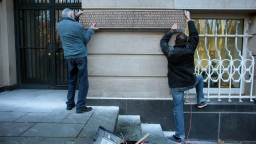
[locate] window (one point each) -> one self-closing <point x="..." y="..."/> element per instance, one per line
<point x="222" y="57"/>
<point x="212" y="47"/>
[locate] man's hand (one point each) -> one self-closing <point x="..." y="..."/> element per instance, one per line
<point x="93" y="27"/>
<point x="79" y="13"/>
<point x="174" y="27"/>
<point x="187" y="14"/>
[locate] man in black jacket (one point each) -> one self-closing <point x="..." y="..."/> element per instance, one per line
<point x="181" y="70"/>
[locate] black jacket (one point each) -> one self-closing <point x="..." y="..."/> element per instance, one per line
<point x="181" y="66"/>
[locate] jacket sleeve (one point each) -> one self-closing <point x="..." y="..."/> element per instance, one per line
<point x="193" y="36"/>
<point x="164" y="43"/>
<point x="86" y="35"/>
<point x="77" y="18"/>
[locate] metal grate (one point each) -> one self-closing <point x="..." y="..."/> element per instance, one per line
<point x="40" y="57"/>
<point x="34" y="28"/>
<point x="67" y="1"/>
<point x="33" y="1"/>
<point x="48" y="1"/>
<point x="61" y="63"/>
<point x="35" y="67"/>
<point x="222" y="57"/>
<point x="34" y="34"/>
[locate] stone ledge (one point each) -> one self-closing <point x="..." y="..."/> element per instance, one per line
<point x="170" y="4"/>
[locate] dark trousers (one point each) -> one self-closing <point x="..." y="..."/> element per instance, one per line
<point x="75" y="66"/>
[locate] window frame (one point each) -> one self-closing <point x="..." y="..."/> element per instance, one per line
<point x="226" y="91"/>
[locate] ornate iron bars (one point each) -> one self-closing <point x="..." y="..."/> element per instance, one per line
<point x="230" y="64"/>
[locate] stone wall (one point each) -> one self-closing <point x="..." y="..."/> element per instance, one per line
<point x="127" y="65"/>
<point x="1" y="59"/>
<point x="8" y="72"/>
<point x="170" y="4"/>
<point x="130" y="64"/>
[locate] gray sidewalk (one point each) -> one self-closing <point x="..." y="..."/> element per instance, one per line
<point x="32" y="116"/>
<point x="40" y="116"/>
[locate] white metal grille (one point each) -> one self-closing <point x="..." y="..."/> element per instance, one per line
<point x="242" y="72"/>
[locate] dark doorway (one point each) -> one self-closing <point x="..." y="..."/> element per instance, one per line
<point x="40" y="58"/>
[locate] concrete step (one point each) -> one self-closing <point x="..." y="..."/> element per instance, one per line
<point x="103" y="116"/>
<point x="130" y="127"/>
<point x="156" y="134"/>
<point x="170" y="133"/>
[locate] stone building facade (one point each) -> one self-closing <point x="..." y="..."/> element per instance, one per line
<point x="127" y="67"/>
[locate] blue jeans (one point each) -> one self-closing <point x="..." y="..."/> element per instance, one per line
<point x="178" y="99"/>
<point x="75" y="66"/>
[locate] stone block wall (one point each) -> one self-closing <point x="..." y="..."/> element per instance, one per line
<point x="1" y="60"/>
<point x="8" y="69"/>
<point x="130" y="64"/>
<point x="127" y="65"/>
<point x="170" y="4"/>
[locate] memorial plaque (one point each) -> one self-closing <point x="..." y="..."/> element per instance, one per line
<point x="112" y="19"/>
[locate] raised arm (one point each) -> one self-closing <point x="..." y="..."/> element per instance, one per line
<point x="78" y="15"/>
<point x="193" y="34"/>
<point x="164" y="42"/>
<point x="87" y="34"/>
<point x="165" y="39"/>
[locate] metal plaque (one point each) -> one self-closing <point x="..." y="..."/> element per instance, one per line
<point x="133" y="18"/>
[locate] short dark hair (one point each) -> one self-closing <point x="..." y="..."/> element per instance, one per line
<point x="181" y="39"/>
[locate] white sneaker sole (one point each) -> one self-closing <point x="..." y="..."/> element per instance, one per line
<point x="202" y="106"/>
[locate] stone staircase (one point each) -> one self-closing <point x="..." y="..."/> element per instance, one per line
<point x="132" y="129"/>
<point x="61" y="126"/>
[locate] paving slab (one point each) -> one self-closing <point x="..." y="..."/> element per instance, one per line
<point x="12" y="102"/>
<point x="130" y="127"/>
<point x="103" y="116"/>
<point x="10" y="116"/>
<point x="62" y="109"/>
<point x="9" y="94"/>
<point x="54" y="130"/>
<point x="45" y="98"/>
<point x="78" y="118"/>
<point x="43" y="117"/>
<point x="37" y="107"/>
<point x="8" y="108"/>
<point x="156" y="133"/>
<point x="38" y="140"/>
<point x="14" y="129"/>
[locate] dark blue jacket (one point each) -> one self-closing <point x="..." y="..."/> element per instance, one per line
<point x="180" y="58"/>
<point x="74" y="38"/>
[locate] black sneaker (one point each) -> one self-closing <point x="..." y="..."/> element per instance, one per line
<point x="174" y="139"/>
<point x="85" y="109"/>
<point x="70" y="107"/>
<point x="202" y="104"/>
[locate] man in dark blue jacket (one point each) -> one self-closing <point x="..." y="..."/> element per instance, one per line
<point x="74" y="39"/>
<point x="181" y="71"/>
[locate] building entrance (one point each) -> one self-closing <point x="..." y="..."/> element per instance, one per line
<point x="40" y="57"/>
